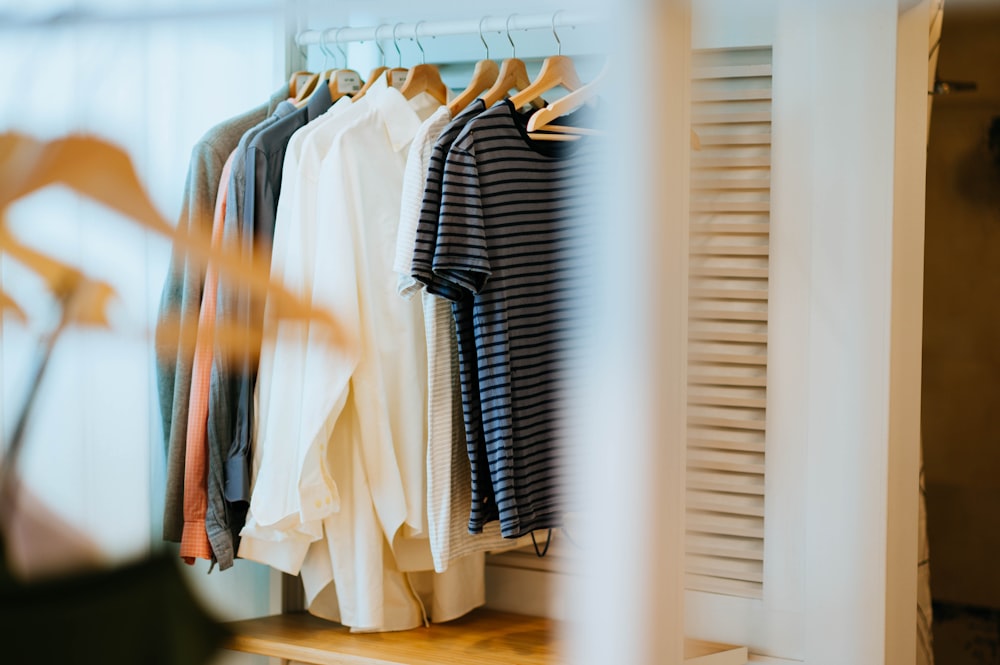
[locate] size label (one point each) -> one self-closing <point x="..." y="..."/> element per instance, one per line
<point x="397" y="79"/>
<point x="348" y="81"/>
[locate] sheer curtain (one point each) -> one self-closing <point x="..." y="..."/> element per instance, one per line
<point x="95" y="451"/>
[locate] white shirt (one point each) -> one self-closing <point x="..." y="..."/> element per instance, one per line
<point x="347" y="415"/>
<point x="449" y="493"/>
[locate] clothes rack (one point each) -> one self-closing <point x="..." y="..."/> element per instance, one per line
<point x="549" y="21"/>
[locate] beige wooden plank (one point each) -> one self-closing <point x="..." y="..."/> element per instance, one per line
<point x="730" y="206"/>
<point x="757" y="295"/>
<point x="724" y="587"/>
<point x="740" y="381"/>
<point x="728" y="315"/>
<point x="746" y="273"/>
<point x="731" y="95"/>
<point x="730" y="467"/>
<point x="731" y="118"/>
<point x="718" y="486"/>
<point x="706" y="162"/>
<point x="728" y="423"/>
<point x="729" y="250"/>
<point x="726" y="184"/>
<point x="713" y="653"/>
<point x="483" y="638"/>
<point x="734" y="337"/>
<point x="754" y="138"/>
<point x="729" y="358"/>
<point x="721" y="507"/>
<point x="712" y="228"/>
<point x="720" y="400"/>
<point x="709" y="571"/>
<point x="720" y="444"/>
<point x="700" y="524"/>
<point x="731" y="72"/>
<point x="729" y="552"/>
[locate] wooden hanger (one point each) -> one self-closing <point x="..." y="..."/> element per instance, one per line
<point x="343" y="81"/>
<point x="557" y="70"/>
<point x="372" y="78"/>
<point x="293" y="82"/>
<point x="105" y="174"/>
<point x="376" y="72"/>
<point x="566" y="105"/>
<point x="483" y="78"/>
<point x="397" y="75"/>
<point x="307" y="89"/>
<point x="513" y="75"/>
<point x="543" y="118"/>
<point x="91" y="298"/>
<point x="9" y="305"/>
<point x="423" y="77"/>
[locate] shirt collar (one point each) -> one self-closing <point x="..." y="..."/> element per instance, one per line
<point x="401" y="119"/>
<point x="278" y="96"/>
<point x="319" y="101"/>
<point x="284" y="108"/>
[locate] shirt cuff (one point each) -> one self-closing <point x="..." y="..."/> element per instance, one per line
<point x="280" y="550"/>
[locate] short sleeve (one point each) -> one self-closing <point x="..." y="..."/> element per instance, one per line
<point x="425" y="243"/>
<point x="461" y="258"/>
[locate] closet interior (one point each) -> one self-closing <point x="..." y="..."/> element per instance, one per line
<point x="401" y="227"/>
<point x="440" y="214"/>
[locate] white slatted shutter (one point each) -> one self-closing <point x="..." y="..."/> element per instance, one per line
<point x="727" y="393"/>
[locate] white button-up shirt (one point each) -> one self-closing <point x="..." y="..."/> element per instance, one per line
<point x="347" y="417"/>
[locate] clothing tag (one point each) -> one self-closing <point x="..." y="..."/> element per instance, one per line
<point x="301" y="81"/>
<point x="348" y="81"/>
<point x="398" y="79"/>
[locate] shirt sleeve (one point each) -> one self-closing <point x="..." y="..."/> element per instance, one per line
<point x="292" y="491"/>
<point x="414" y="186"/>
<point x="460" y="257"/>
<point x="426" y="239"/>
<point x="181" y="301"/>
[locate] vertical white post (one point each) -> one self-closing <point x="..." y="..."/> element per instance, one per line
<point x="631" y="609"/>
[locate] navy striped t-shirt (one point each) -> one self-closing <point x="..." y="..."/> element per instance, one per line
<point x="504" y="253"/>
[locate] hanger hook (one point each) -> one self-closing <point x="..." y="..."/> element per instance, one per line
<point x="379" y="46"/>
<point x="556" y="34"/>
<point x="340" y="45"/>
<point x="395" y="42"/>
<point x="416" y="38"/>
<point x="327" y="55"/>
<point x="482" y="38"/>
<point x="513" y="49"/>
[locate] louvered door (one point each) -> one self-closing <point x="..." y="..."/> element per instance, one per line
<point x="727" y="393"/>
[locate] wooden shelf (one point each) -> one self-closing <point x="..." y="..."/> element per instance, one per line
<point x="481" y="638"/>
<point x="484" y="637"/>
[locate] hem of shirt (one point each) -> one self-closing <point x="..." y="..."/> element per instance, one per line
<point x="221" y="539"/>
<point x="287" y="555"/>
<point x="194" y="542"/>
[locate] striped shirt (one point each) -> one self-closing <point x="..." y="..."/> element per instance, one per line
<point x="503" y="252"/>
<point x="448" y="483"/>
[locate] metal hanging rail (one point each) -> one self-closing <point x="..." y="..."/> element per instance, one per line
<point x="562" y="19"/>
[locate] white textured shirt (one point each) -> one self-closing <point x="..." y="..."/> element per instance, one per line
<point x="349" y="417"/>
<point x="448" y="472"/>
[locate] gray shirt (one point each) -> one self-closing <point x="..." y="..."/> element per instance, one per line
<point x="181" y="299"/>
<point x="221" y="516"/>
